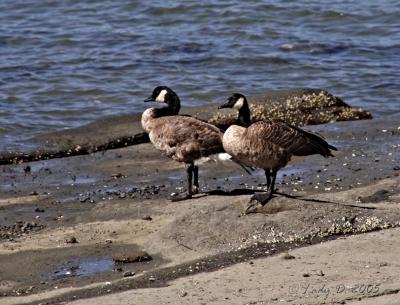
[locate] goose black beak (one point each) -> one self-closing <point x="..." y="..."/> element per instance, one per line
<point x="226" y="105"/>
<point x="149" y="99"/>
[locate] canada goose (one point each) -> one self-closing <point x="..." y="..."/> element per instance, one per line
<point x="268" y="144"/>
<point x="182" y="138"/>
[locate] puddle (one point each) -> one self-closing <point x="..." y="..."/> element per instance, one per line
<point x="176" y="177"/>
<point x="83" y="266"/>
<point x="81" y="180"/>
<point x="259" y="174"/>
<point x="290" y="170"/>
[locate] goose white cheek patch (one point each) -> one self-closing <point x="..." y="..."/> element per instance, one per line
<point x="239" y="104"/>
<point x="161" y="96"/>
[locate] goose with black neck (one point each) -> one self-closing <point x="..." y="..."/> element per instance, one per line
<point x="183" y="138"/>
<point x="268" y="144"/>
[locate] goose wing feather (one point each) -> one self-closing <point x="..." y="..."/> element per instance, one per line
<point x="293" y="139"/>
<point x="185" y="138"/>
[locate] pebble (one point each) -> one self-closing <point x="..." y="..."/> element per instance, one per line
<point x="117" y="176"/>
<point x="27" y="226"/>
<point x="18" y="228"/>
<point x="183" y="294"/>
<point x="86" y="198"/>
<point x="129" y="273"/>
<point x="71" y="240"/>
<point x="131" y="257"/>
<point x="287" y="256"/>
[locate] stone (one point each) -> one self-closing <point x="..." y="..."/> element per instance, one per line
<point x="131" y="257"/>
<point x="71" y="240"/>
<point x="287" y="256"/>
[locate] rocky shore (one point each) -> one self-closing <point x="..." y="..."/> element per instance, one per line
<point x="96" y="228"/>
<point x="297" y="106"/>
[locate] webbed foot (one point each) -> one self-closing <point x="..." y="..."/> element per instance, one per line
<point x="180" y="197"/>
<point x="262" y="198"/>
<point x="252" y="206"/>
<point x="256" y="202"/>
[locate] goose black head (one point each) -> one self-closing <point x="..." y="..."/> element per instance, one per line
<point x="160" y="94"/>
<point x="164" y="94"/>
<point x="239" y="102"/>
<point x="236" y="101"/>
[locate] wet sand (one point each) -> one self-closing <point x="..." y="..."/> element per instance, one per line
<point x="318" y="274"/>
<point x="114" y="201"/>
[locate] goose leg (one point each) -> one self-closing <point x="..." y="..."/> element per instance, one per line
<point x="196" y="179"/>
<point x="263" y="198"/>
<point x="268" y="176"/>
<point x="188" y="194"/>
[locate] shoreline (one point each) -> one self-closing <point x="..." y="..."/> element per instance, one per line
<point x="341" y="216"/>
<point x="300" y="106"/>
<point x="115" y="201"/>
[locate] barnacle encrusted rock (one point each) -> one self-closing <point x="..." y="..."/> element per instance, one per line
<point x="310" y="108"/>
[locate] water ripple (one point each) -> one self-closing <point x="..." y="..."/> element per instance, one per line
<point x="65" y="63"/>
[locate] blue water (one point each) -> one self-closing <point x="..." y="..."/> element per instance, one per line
<point x="83" y="266"/>
<point x="65" y="63"/>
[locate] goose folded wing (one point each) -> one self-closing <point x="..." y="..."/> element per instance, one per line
<point x="295" y="140"/>
<point x="186" y="131"/>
